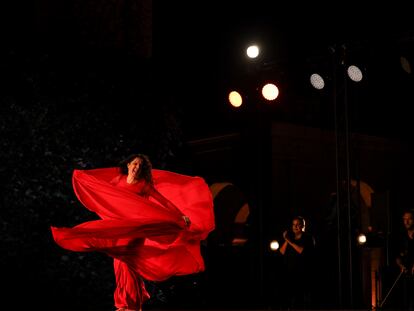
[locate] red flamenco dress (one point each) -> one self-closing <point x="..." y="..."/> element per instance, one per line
<point x="145" y="234"/>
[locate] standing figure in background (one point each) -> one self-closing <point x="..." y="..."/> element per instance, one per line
<point x="405" y="259"/>
<point x="149" y="236"/>
<point x="298" y="252"/>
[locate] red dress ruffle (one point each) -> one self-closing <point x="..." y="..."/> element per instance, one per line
<point x="150" y="239"/>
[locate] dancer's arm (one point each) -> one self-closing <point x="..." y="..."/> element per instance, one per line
<point x="168" y="205"/>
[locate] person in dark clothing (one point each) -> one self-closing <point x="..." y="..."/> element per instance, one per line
<point x="297" y="251"/>
<point x="405" y="260"/>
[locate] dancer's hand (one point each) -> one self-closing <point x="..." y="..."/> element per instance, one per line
<point x="187" y="221"/>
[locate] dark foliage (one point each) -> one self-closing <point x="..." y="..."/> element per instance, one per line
<point x="55" y="118"/>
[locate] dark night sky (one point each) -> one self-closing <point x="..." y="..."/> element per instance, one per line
<point x="198" y="50"/>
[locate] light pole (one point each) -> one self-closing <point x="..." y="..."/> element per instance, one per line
<point x="341" y="73"/>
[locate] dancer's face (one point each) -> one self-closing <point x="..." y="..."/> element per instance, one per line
<point x="133" y="167"/>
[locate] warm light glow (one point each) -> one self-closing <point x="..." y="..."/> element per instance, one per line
<point x="252" y="51"/>
<point x="376" y="284"/>
<point x="274" y="245"/>
<point x="235" y="99"/>
<point x="270" y="91"/>
<point x="362" y="238"/>
<point x="405" y="64"/>
<point x="354" y="73"/>
<point x="317" y="81"/>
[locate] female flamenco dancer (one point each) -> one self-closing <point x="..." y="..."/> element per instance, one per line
<point x="149" y="236"/>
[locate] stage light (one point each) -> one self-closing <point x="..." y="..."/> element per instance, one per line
<point x="371" y="239"/>
<point x="235" y="99"/>
<point x="317" y="81"/>
<point x="362" y="239"/>
<point x="274" y="245"/>
<point x="270" y="91"/>
<point x="354" y="73"/>
<point x="253" y="51"/>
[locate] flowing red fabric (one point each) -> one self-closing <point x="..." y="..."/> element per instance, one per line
<point x="152" y="240"/>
